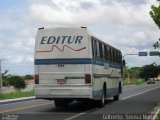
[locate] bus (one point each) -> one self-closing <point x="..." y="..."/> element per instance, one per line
<point x="71" y="64"/>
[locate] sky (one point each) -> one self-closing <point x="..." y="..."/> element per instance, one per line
<point x="124" y="24"/>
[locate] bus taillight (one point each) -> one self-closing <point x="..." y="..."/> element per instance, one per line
<point x="36" y="79"/>
<point x="87" y="78"/>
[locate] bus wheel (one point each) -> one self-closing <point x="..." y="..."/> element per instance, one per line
<point x="102" y="101"/>
<point x="61" y="103"/>
<point x="116" y="98"/>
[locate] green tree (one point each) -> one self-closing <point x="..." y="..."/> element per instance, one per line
<point x="155" y="14"/>
<point x="17" y="82"/>
<point x="132" y="73"/>
<point x="28" y="77"/>
<point x="150" y="71"/>
<point x="135" y="73"/>
<point x="5" y="77"/>
<point x="127" y="72"/>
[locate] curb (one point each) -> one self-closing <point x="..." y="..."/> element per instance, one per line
<point x="16" y="100"/>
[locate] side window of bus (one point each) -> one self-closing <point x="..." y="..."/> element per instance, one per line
<point x="93" y="48"/>
<point x="108" y="53"/>
<point x="97" y="50"/>
<point x="120" y="58"/>
<point x="100" y="50"/>
<point x="111" y="54"/>
<point x="117" y="56"/>
<point x="105" y="52"/>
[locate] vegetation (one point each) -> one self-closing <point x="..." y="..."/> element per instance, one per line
<point x="138" y="75"/>
<point x="150" y="71"/>
<point x="158" y="116"/>
<point x="28" y="77"/>
<point x="132" y="73"/>
<point x="12" y="95"/>
<point x="14" y="80"/>
<point x="133" y="82"/>
<point x="5" y="77"/>
<point x="155" y="14"/>
<point x="17" y="82"/>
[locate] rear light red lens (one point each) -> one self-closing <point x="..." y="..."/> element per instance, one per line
<point x="36" y="79"/>
<point x="87" y="78"/>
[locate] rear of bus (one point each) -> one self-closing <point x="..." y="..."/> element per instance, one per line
<point x="62" y="65"/>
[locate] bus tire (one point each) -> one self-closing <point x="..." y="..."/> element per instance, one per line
<point x="102" y="100"/>
<point x="61" y="103"/>
<point x="120" y="88"/>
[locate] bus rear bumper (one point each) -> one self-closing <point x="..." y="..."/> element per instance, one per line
<point x="52" y="92"/>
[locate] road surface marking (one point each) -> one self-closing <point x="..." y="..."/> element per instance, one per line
<point x="139" y="93"/>
<point x="77" y="115"/>
<point x="23" y="108"/>
<point x="80" y="114"/>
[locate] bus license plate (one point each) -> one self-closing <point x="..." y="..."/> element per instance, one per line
<point x="61" y="81"/>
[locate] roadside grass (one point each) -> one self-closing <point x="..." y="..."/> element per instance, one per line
<point x="4" y="96"/>
<point x="133" y="82"/>
<point x="158" y="116"/>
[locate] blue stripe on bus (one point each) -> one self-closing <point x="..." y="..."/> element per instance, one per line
<point x="60" y="61"/>
<point x="74" y="61"/>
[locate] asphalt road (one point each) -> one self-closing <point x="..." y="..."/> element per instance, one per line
<point x="136" y="102"/>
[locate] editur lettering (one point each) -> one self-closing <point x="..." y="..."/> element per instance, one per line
<point x="61" y="40"/>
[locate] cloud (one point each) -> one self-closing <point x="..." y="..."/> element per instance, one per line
<point x="69" y="12"/>
<point x="125" y="24"/>
<point x="19" y="59"/>
<point x="16" y="59"/>
<point x="130" y="21"/>
<point x="26" y="44"/>
<point x="16" y="40"/>
<point x="91" y="12"/>
<point x="1" y="45"/>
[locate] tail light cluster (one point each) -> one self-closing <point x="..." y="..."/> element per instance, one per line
<point x="87" y="78"/>
<point x="36" y="79"/>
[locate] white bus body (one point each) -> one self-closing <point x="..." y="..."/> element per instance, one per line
<point x="67" y="67"/>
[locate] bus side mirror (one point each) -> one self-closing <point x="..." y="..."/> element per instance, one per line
<point x="124" y="63"/>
